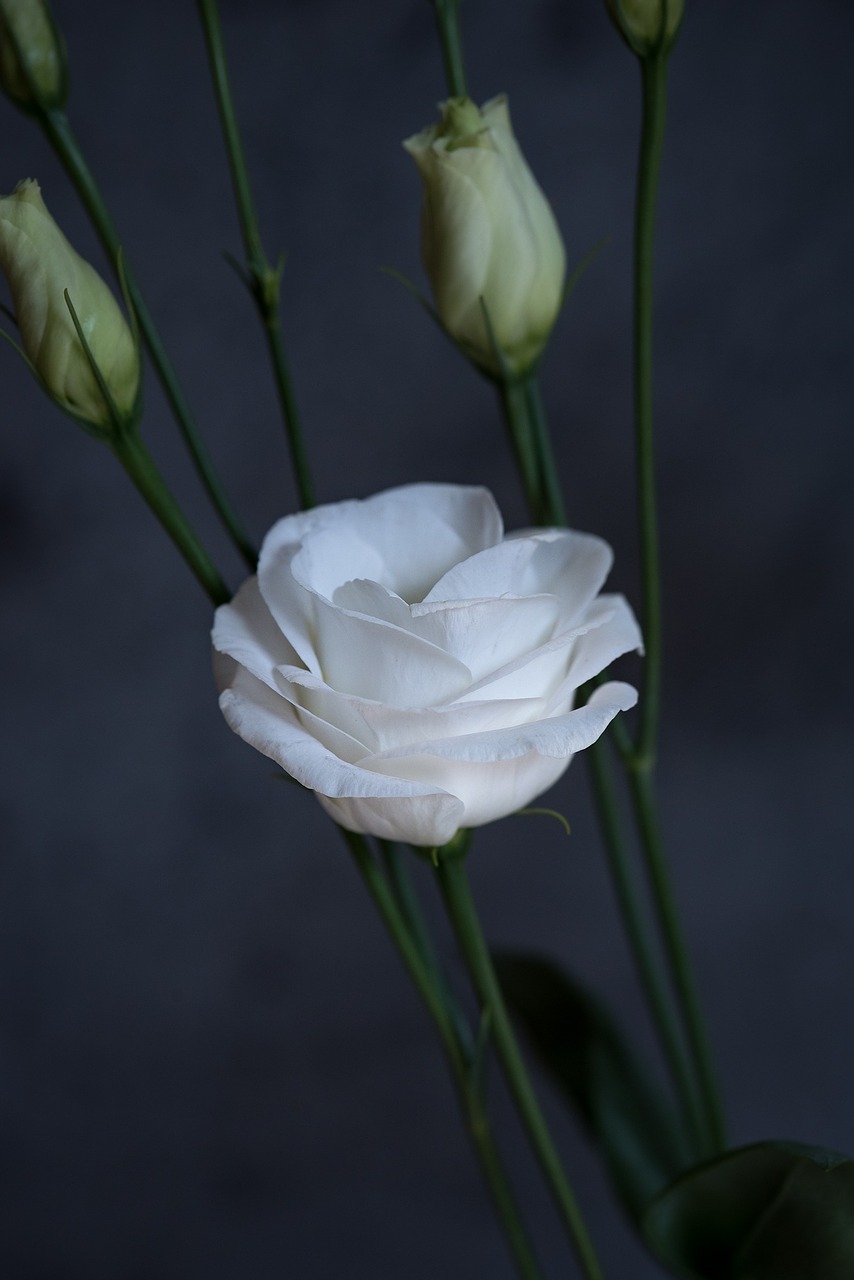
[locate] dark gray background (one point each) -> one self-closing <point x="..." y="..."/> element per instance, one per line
<point x="212" y="1065"/>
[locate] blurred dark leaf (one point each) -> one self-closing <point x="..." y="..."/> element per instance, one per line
<point x="599" y="1075"/>
<point x="773" y="1211"/>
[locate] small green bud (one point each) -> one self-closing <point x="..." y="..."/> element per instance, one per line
<point x="491" y="246"/>
<point x="40" y="266"/>
<point x="32" y="55"/>
<point x="647" y="25"/>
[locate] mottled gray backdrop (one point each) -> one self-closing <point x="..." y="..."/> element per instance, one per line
<point x="212" y="1065"/>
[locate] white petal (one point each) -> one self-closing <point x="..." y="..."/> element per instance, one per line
<point x="402" y="806"/>
<point x="599" y="646"/>
<point x="405" y="538"/>
<point x="488" y="634"/>
<point x="426" y="820"/>
<point x="246" y="632"/>
<point x="372" y="659"/>
<point x="498" y="772"/>
<point x="572" y="566"/>
<point x="557" y="737"/>
<point x="380" y="727"/>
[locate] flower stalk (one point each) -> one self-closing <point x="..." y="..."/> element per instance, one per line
<point x="137" y="462"/>
<point x="641" y="760"/>
<point x="456" y="892"/>
<point x="450" y="40"/>
<point x="58" y="130"/>
<point x="654" y="111"/>
<point x="261" y="279"/>
<point x="410" y="944"/>
<point x="644" y="950"/>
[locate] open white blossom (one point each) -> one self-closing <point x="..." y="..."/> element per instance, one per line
<point x="416" y="668"/>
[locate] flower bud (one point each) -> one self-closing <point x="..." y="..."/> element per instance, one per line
<point x="40" y="265"/>
<point x="646" y="25"/>
<point x="32" y="55"/>
<point x="489" y="238"/>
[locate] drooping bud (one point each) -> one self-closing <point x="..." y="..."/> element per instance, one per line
<point x="647" y="25"/>
<point x="40" y="266"/>
<point x="491" y="246"/>
<point x="32" y="55"/>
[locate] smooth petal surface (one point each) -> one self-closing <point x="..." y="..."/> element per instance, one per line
<point x="489" y="237"/>
<point x="416" y="669"/>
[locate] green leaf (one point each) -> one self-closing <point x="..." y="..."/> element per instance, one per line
<point x="772" y="1211"/>
<point x="599" y="1075"/>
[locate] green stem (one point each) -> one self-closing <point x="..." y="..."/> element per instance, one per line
<point x="263" y="280"/>
<point x="654" y="84"/>
<point x="454" y="884"/>
<point x="643" y="945"/>
<point x="136" y="460"/>
<point x="517" y="414"/>
<point x="641" y="762"/>
<point x="410" y="908"/>
<point x="448" y="24"/>
<point x="640" y="780"/>
<point x="462" y="1067"/>
<point x="553" y="511"/>
<point x="59" y="133"/>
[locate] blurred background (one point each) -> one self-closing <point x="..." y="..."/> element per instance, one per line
<point x="212" y="1064"/>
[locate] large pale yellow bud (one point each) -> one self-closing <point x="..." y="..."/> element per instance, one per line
<point x="489" y="237"/>
<point x="40" y="265"/>
<point x="32" y="55"/>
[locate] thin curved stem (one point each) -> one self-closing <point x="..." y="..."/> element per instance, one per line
<point x="59" y="133"/>
<point x="463" y="1068"/>
<point x="643" y="946"/>
<point x="640" y="781"/>
<point x="262" y="279"/>
<point x="640" y="763"/>
<point x="136" y="460"/>
<point x="453" y="882"/>
<point x="552" y="507"/>
<point x="525" y="442"/>
<point x="654" y="85"/>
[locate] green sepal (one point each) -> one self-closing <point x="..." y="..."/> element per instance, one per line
<point x="599" y="1075"/>
<point x="771" y="1211"/>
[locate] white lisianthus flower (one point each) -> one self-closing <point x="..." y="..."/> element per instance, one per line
<point x="40" y="265"/>
<point x="414" y="667"/>
<point x="489" y="237"/>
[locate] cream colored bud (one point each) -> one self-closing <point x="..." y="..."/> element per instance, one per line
<point x="644" y="24"/>
<point x="40" y="265"/>
<point x="489" y="237"/>
<point x="32" y="55"/>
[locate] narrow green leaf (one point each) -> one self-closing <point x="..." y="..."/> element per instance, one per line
<point x="601" y="1077"/>
<point x="771" y="1211"/>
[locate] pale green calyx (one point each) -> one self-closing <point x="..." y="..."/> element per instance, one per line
<point x="41" y="267"/>
<point x="32" y="55"/>
<point x="490" y="243"/>
<point x="462" y="124"/>
<point x="647" y="25"/>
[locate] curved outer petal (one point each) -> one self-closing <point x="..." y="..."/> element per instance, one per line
<point x="501" y="770"/>
<point x="380" y="727"/>
<point x="395" y="808"/>
<point x="245" y="631"/>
